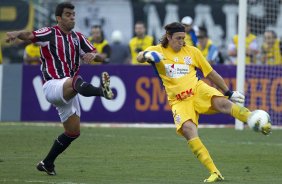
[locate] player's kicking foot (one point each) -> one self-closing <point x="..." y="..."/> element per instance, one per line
<point x="50" y="170"/>
<point x="105" y="84"/>
<point x="214" y="177"/>
<point x="266" y="129"/>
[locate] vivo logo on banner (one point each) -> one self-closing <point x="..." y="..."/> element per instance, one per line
<point x="87" y="102"/>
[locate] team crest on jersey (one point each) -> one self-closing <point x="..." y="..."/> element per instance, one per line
<point x="75" y="41"/>
<point x="187" y="60"/>
<point x="176" y="70"/>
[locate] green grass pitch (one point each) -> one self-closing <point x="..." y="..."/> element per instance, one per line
<point x="138" y="156"/>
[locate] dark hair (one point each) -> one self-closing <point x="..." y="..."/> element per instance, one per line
<point x="140" y="22"/>
<point x="170" y="30"/>
<point x="60" y="8"/>
<point x="203" y="32"/>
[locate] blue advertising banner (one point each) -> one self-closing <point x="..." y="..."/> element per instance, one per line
<point x="140" y="96"/>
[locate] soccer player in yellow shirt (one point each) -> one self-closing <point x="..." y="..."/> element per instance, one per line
<point x="189" y="96"/>
<point x="101" y="45"/>
<point x="252" y="47"/>
<point x="139" y="42"/>
<point x="271" y="51"/>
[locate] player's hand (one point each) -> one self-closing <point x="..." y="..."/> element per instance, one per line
<point x="236" y="96"/>
<point x="12" y="36"/>
<point x="89" y="57"/>
<point x="153" y="56"/>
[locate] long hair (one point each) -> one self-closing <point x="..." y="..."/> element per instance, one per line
<point x="169" y="30"/>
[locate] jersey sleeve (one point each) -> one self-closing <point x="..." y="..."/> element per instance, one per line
<point x="85" y="45"/>
<point x="202" y="63"/>
<point x="42" y="35"/>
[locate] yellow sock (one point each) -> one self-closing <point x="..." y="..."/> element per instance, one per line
<point x="239" y="112"/>
<point x="202" y="154"/>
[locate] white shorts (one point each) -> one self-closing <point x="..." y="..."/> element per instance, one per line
<point x="53" y="91"/>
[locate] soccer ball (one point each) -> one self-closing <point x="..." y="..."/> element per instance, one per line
<point x="258" y="119"/>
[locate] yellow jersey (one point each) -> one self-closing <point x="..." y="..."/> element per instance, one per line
<point x="188" y="40"/>
<point x="205" y="51"/>
<point x="137" y="45"/>
<point x="100" y="47"/>
<point x="249" y="39"/>
<point x="178" y="71"/>
<point x="272" y="55"/>
<point x="33" y="50"/>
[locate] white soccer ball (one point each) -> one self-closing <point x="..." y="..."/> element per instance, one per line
<point x="258" y="119"/>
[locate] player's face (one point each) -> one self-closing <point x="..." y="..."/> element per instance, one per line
<point x="67" y="21"/>
<point x="96" y="34"/>
<point x="269" y="39"/>
<point x="140" y="30"/>
<point x="176" y="41"/>
<point x="187" y="27"/>
<point x="202" y="39"/>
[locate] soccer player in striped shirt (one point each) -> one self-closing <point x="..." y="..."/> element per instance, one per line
<point x="189" y="96"/>
<point x="61" y="51"/>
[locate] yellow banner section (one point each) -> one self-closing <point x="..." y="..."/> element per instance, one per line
<point x="14" y="16"/>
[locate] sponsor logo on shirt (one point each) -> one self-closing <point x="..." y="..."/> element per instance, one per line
<point x="176" y="70"/>
<point x="184" y="94"/>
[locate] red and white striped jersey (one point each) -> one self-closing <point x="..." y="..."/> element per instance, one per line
<point x="60" y="52"/>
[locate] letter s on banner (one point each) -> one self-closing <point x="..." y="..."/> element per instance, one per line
<point x="117" y="103"/>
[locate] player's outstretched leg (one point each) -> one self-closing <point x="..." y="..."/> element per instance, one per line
<point x="87" y="89"/>
<point x="242" y="113"/>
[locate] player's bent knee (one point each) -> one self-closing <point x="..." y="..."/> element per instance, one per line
<point x="189" y="130"/>
<point x="73" y="135"/>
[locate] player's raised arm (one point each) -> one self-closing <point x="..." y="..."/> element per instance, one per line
<point x="234" y="96"/>
<point x="217" y="80"/>
<point x="149" y="56"/>
<point x="22" y="35"/>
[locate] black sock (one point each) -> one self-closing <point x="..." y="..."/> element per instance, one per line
<point x="60" y="144"/>
<point x="86" y="89"/>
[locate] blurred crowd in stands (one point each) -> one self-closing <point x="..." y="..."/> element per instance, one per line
<point x="116" y="52"/>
